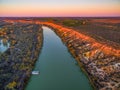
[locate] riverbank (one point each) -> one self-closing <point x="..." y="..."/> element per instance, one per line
<point x="101" y="66"/>
<point x="18" y="60"/>
<point x="102" y="29"/>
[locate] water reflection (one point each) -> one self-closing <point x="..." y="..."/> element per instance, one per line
<point x="4" y="45"/>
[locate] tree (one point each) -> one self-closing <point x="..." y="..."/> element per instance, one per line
<point x="11" y="85"/>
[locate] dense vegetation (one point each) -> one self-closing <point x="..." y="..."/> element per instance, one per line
<point x="74" y="23"/>
<point x="17" y="62"/>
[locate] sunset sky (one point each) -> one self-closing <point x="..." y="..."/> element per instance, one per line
<point x="56" y="8"/>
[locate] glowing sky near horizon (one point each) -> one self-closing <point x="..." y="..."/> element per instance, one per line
<point x="59" y="8"/>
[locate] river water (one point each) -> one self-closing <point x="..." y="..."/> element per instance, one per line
<point x="58" y="69"/>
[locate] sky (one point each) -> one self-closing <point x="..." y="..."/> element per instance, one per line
<point x="59" y="8"/>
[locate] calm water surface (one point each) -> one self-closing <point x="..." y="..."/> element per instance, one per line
<point x="3" y="47"/>
<point x="57" y="67"/>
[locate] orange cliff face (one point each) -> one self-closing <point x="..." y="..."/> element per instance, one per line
<point x="109" y="50"/>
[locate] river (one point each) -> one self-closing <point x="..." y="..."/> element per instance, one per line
<point x="58" y="69"/>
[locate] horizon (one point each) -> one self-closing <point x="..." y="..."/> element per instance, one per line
<point x="59" y="17"/>
<point x="59" y="8"/>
